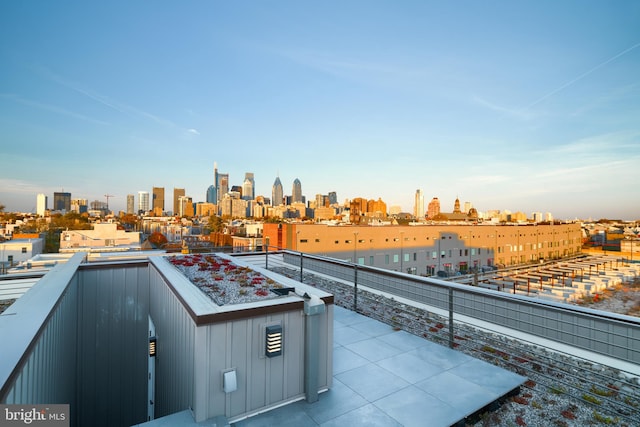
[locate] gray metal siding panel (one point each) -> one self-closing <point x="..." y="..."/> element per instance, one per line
<point x="48" y="375"/>
<point x="175" y="332"/>
<point x="236" y="341"/>
<point x="113" y="347"/>
<point x="262" y="382"/>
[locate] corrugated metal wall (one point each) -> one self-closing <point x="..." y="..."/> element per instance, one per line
<point x="113" y="345"/>
<point x="49" y="373"/>
<point x="38" y="341"/>
<point x="262" y="381"/>
<point x="175" y="332"/>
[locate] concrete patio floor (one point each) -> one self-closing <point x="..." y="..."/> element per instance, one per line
<point x="385" y="377"/>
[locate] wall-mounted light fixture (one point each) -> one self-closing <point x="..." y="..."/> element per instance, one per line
<point x="273" y="341"/>
<point x="152" y="346"/>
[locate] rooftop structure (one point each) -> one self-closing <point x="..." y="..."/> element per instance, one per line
<point x="127" y="341"/>
<point x="103" y="237"/>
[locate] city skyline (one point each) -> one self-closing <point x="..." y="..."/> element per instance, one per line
<point x="146" y="201"/>
<point x="530" y="106"/>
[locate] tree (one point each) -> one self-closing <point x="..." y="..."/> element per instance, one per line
<point x="129" y="221"/>
<point x="71" y="221"/>
<point x="157" y="239"/>
<point x="216" y="224"/>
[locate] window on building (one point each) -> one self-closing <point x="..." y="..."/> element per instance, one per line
<point x="434" y="255"/>
<point x="450" y="253"/>
<point x="406" y="257"/>
<point x="396" y="258"/>
<point x="303" y="240"/>
<point x="337" y="241"/>
<point x="386" y="259"/>
<point x="371" y="260"/>
<point x="473" y="251"/>
<point x="24" y="250"/>
<point x="415" y="256"/>
<point x="317" y="240"/>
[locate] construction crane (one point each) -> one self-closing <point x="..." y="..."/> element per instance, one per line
<point x="108" y="196"/>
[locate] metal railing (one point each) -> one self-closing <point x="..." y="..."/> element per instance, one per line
<point x="613" y="335"/>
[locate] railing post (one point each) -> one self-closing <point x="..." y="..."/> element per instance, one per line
<point x="450" y="317"/>
<point x="301" y="258"/>
<point x="266" y="257"/>
<point x="355" y="287"/>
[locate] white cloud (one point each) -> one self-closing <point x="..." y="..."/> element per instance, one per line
<point x="193" y="131"/>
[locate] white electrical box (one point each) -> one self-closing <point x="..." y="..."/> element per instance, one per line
<point x="229" y="381"/>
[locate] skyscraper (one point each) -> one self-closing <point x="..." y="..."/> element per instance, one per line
<point x="143" y="202"/>
<point x="277" y="194"/>
<point x="185" y="206"/>
<point x="177" y="193"/>
<point x="248" y="176"/>
<point x="158" y="201"/>
<point x="333" y="198"/>
<point x="212" y="191"/>
<point x="41" y="204"/>
<point x="418" y="206"/>
<point x="131" y="204"/>
<point x="247" y="189"/>
<point x="211" y="195"/>
<point x="296" y="192"/>
<point x="434" y="208"/>
<point x="79" y="205"/>
<point x="62" y="201"/>
<point x="223" y="185"/>
<point x="220" y="182"/>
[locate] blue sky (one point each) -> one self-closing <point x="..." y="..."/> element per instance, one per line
<point x="526" y="106"/>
